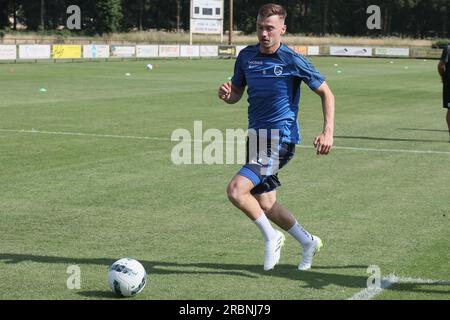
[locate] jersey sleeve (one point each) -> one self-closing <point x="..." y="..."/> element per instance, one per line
<point x="308" y="73"/>
<point x="238" y="79"/>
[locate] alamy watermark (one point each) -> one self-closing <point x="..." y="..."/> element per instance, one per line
<point x="236" y="146"/>
<point x="74" y="279"/>
<point x="374" y="280"/>
<point x="374" y="21"/>
<point x="74" y="20"/>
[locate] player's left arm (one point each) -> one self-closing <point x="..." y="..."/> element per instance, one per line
<point x="324" y="142"/>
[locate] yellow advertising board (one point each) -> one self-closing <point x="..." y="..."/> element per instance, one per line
<point x="65" y="51"/>
<point x="301" y="50"/>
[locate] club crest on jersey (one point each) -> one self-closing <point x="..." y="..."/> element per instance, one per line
<point x="278" y="70"/>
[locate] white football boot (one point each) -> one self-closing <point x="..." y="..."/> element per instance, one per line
<point x="273" y="251"/>
<point x="309" y="252"/>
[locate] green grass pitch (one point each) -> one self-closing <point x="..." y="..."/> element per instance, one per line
<point x="79" y="187"/>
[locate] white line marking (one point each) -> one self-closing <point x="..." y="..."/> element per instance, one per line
<point x="370" y="293"/>
<point x="386" y="282"/>
<point x="85" y="134"/>
<point x="167" y="139"/>
<point x="394" y="150"/>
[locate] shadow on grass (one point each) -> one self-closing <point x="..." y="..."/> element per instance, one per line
<point x="100" y="294"/>
<point x="417" y="129"/>
<point x="438" y="288"/>
<point x="314" y="278"/>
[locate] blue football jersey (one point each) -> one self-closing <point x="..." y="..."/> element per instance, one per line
<point x="273" y="82"/>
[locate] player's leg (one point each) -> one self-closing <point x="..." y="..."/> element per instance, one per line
<point x="446" y="102"/>
<point x="274" y="211"/>
<point x="265" y="193"/>
<point x="238" y="192"/>
<point x="285" y="219"/>
<point x="448" y="119"/>
<point x="311" y="244"/>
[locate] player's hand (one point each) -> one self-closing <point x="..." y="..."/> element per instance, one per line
<point x="225" y="91"/>
<point x="323" y="143"/>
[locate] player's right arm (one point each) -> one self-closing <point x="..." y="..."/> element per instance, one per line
<point x="229" y="93"/>
<point x="232" y="91"/>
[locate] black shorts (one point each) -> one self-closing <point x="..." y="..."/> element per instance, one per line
<point x="446" y="96"/>
<point x="264" y="162"/>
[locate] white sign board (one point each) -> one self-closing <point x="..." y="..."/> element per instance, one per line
<point x="123" y="51"/>
<point x="206" y="18"/>
<point x="398" y="52"/>
<point x="169" y="51"/>
<point x="239" y="49"/>
<point x="209" y="51"/>
<point x="147" y="51"/>
<point x="8" y="52"/>
<point x="206" y="26"/>
<point x="313" y="50"/>
<point x="351" y="51"/>
<point x="96" y="51"/>
<point x="207" y="9"/>
<point x="34" y="51"/>
<point x="189" y="51"/>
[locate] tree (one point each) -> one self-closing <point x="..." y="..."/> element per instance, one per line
<point x="163" y="14"/>
<point x="42" y="15"/>
<point x="14" y="8"/>
<point x="4" y="12"/>
<point x="109" y="15"/>
<point x="416" y="18"/>
<point x="326" y="6"/>
<point x="136" y="14"/>
<point x="31" y="14"/>
<point x="55" y="14"/>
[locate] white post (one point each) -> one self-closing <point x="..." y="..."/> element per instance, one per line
<point x="221" y="28"/>
<point x="190" y="24"/>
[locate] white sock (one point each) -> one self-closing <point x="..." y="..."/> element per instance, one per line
<point x="300" y="234"/>
<point x="265" y="227"/>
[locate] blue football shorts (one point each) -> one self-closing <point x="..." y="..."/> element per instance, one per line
<point x="264" y="159"/>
